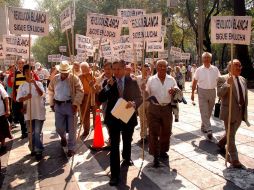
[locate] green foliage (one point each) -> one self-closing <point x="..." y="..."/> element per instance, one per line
<point x="15" y="3"/>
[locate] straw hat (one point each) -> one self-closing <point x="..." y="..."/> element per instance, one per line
<point x="64" y="67"/>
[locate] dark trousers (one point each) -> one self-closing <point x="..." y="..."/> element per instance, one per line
<point x="160" y="128"/>
<point x="19" y="116"/>
<point x="114" y="134"/>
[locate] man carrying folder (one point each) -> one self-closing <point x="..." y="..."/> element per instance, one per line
<point x="120" y="86"/>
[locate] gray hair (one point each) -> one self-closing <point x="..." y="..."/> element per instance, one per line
<point x="84" y="64"/>
<point x="206" y="54"/>
<point x="161" y="61"/>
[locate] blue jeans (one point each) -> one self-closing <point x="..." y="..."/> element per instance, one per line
<point x="64" y="116"/>
<point x="36" y="134"/>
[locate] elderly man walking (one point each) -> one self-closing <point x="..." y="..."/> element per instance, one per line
<point x="160" y="88"/>
<point x="65" y="95"/>
<point x="205" y="78"/>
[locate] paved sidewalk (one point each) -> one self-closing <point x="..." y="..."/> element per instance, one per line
<point x="194" y="162"/>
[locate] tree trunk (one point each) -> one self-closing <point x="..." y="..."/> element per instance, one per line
<point x="241" y="51"/>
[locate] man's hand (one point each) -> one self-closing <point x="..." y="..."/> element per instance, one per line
<point x="171" y="91"/>
<point x="111" y="81"/>
<point x="74" y="109"/>
<point x="52" y="108"/>
<point x="130" y="104"/>
<point x="143" y="86"/>
<point x="230" y="80"/>
<point x="29" y="96"/>
<point x="7" y="113"/>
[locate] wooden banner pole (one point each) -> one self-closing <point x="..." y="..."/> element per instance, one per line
<point x="230" y="106"/>
<point x="30" y="101"/>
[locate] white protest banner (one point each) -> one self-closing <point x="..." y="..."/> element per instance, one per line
<point x="117" y="47"/>
<point x="62" y="49"/>
<point x="10" y="60"/>
<point x="80" y="57"/>
<point x="145" y="27"/>
<point x="49" y="58"/>
<point x="163" y="54"/>
<point x="54" y="58"/>
<point x="231" y="29"/>
<point x="106" y="51"/>
<point x="126" y="13"/>
<point x="66" y="19"/>
<point x="96" y="42"/>
<point x="65" y="58"/>
<point x="16" y="45"/>
<point x="84" y="43"/>
<point x="138" y="45"/>
<point x="130" y="56"/>
<point x="176" y="52"/>
<point x="185" y="56"/>
<point x="155" y="46"/>
<point x="2" y="54"/>
<point x="105" y="26"/>
<point x="85" y="52"/>
<point x="25" y="21"/>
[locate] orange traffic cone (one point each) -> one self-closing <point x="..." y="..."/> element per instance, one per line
<point x="98" y="140"/>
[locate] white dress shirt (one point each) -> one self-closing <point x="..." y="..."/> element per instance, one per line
<point x="207" y="77"/>
<point x="155" y="88"/>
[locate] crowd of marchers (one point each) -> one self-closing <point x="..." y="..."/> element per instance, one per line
<point x="74" y="91"/>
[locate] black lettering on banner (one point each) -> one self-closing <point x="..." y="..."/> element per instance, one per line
<point x="235" y="24"/>
<point x="152" y="21"/>
<point x="36" y="17"/>
<point x="147" y="34"/>
<point x="105" y="21"/>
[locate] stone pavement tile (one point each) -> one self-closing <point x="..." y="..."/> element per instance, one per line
<point x="246" y="149"/>
<point x="22" y="168"/>
<point x="225" y="186"/>
<point x="54" y="169"/>
<point x="246" y="161"/>
<point x="198" y="175"/>
<point x="62" y="186"/>
<point x="165" y="177"/>
<point x="98" y="183"/>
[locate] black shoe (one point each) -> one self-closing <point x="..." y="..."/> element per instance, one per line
<point x="222" y="149"/>
<point x="114" y="181"/>
<point x="209" y="135"/>
<point x="23" y="136"/>
<point x="38" y="156"/>
<point x="156" y="162"/>
<point x="127" y="163"/>
<point x="63" y="142"/>
<point x="164" y="156"/>
<point x="33" y="153"/>
<point x="3" y="149"/>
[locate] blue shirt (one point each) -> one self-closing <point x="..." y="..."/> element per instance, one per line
<point x="62" y="90"/>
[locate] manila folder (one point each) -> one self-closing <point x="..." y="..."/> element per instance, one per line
<point x="121" y="112"/>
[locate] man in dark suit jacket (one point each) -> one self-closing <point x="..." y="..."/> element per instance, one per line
<point x="238" y="110"/>
<point x="127" y="88"/>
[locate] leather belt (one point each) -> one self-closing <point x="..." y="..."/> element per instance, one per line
<point x="62" y="102"/>
<point x="163" y="104"/>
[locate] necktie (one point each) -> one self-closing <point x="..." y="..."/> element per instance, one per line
<point x="241" y="99"/>
<point x="120" y="87"/>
